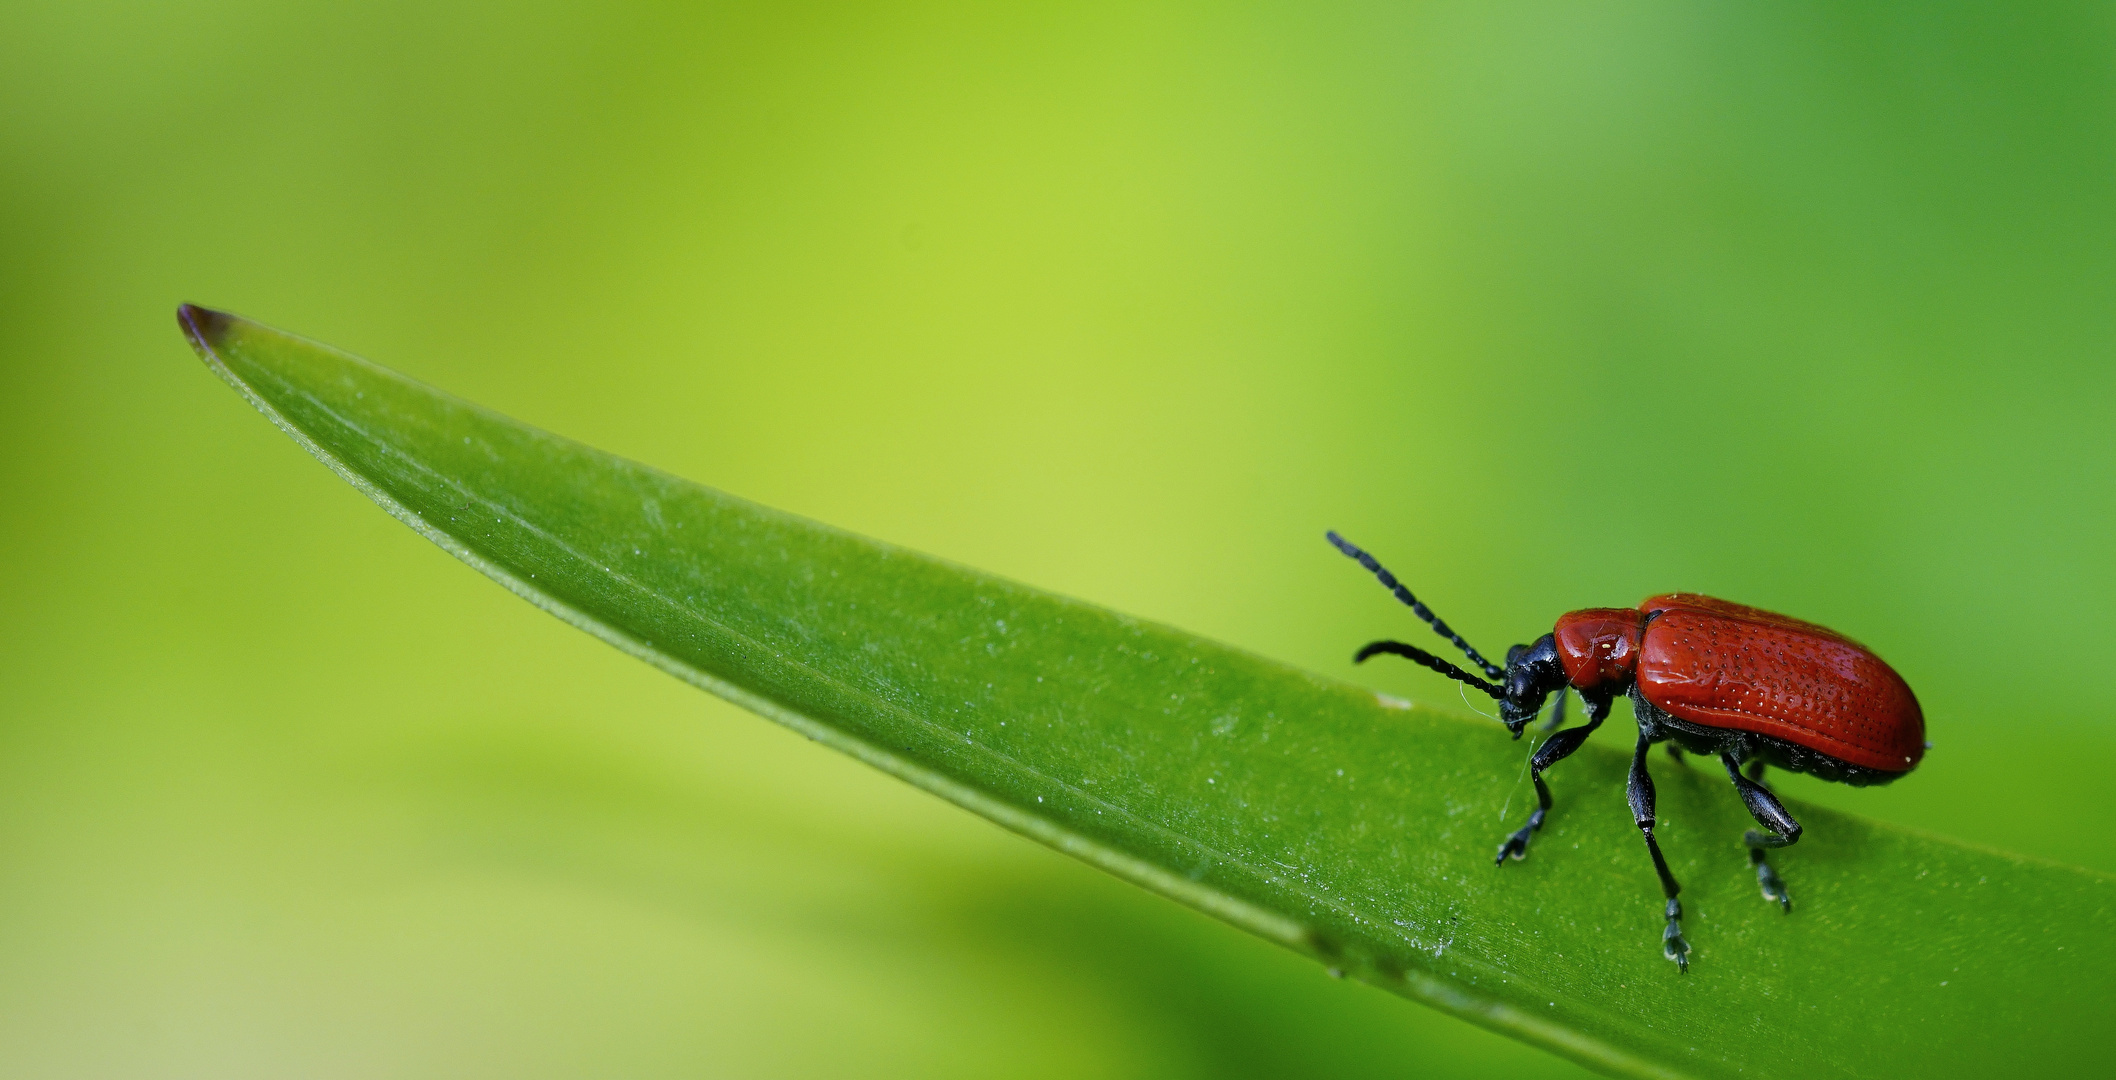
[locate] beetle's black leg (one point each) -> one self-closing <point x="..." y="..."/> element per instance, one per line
<point x="1640" y="792"/>
<point x="1557" y="711"/>
<point x="1554" y="749"/>
<point x="1768" y="880"/>
<point x="1676" y="752"/>
<point x="1769" y="813"/>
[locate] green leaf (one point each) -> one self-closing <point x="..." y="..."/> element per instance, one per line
<point x="1310" y="811"/>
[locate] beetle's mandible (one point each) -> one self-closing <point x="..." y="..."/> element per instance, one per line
<point x="1745" y="685"/>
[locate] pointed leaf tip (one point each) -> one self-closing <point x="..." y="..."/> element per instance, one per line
<point x="204" y="326"/>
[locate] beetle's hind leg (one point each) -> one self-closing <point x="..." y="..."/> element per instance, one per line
<point x="1554" y="749"/>
<point x="1769" y="813"/>
<point x="1768" y="880"/>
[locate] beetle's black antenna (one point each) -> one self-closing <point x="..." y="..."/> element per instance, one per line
<point x="1439" y="627"/>
<point x="1417" y="655"/>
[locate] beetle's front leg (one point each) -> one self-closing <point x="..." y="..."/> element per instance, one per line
<point x="1555" y="749"/>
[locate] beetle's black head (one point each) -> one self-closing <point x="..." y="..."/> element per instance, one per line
<point x="1532" y="673"/>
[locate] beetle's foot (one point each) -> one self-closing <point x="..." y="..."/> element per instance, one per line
<point x="1672" y="944"/>
<point x="1757" y="840"/>
<point x="1516" y="846"/>
<point x="1773" y="886"/>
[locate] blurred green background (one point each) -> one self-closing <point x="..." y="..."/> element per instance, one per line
<point x="1549" y="306"/>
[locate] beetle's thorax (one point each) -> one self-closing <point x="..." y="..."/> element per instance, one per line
<point x="1593" y="651"/>
<point x="1599" y="647"/>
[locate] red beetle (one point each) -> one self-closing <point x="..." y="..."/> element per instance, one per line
<point x="1749" y="686"/>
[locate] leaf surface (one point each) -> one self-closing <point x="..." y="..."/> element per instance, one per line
<point x="1307" y="810"/>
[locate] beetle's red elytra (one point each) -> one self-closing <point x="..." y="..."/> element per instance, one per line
<point x="1743" y="669"/>
<point x="1748" y="686"/>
